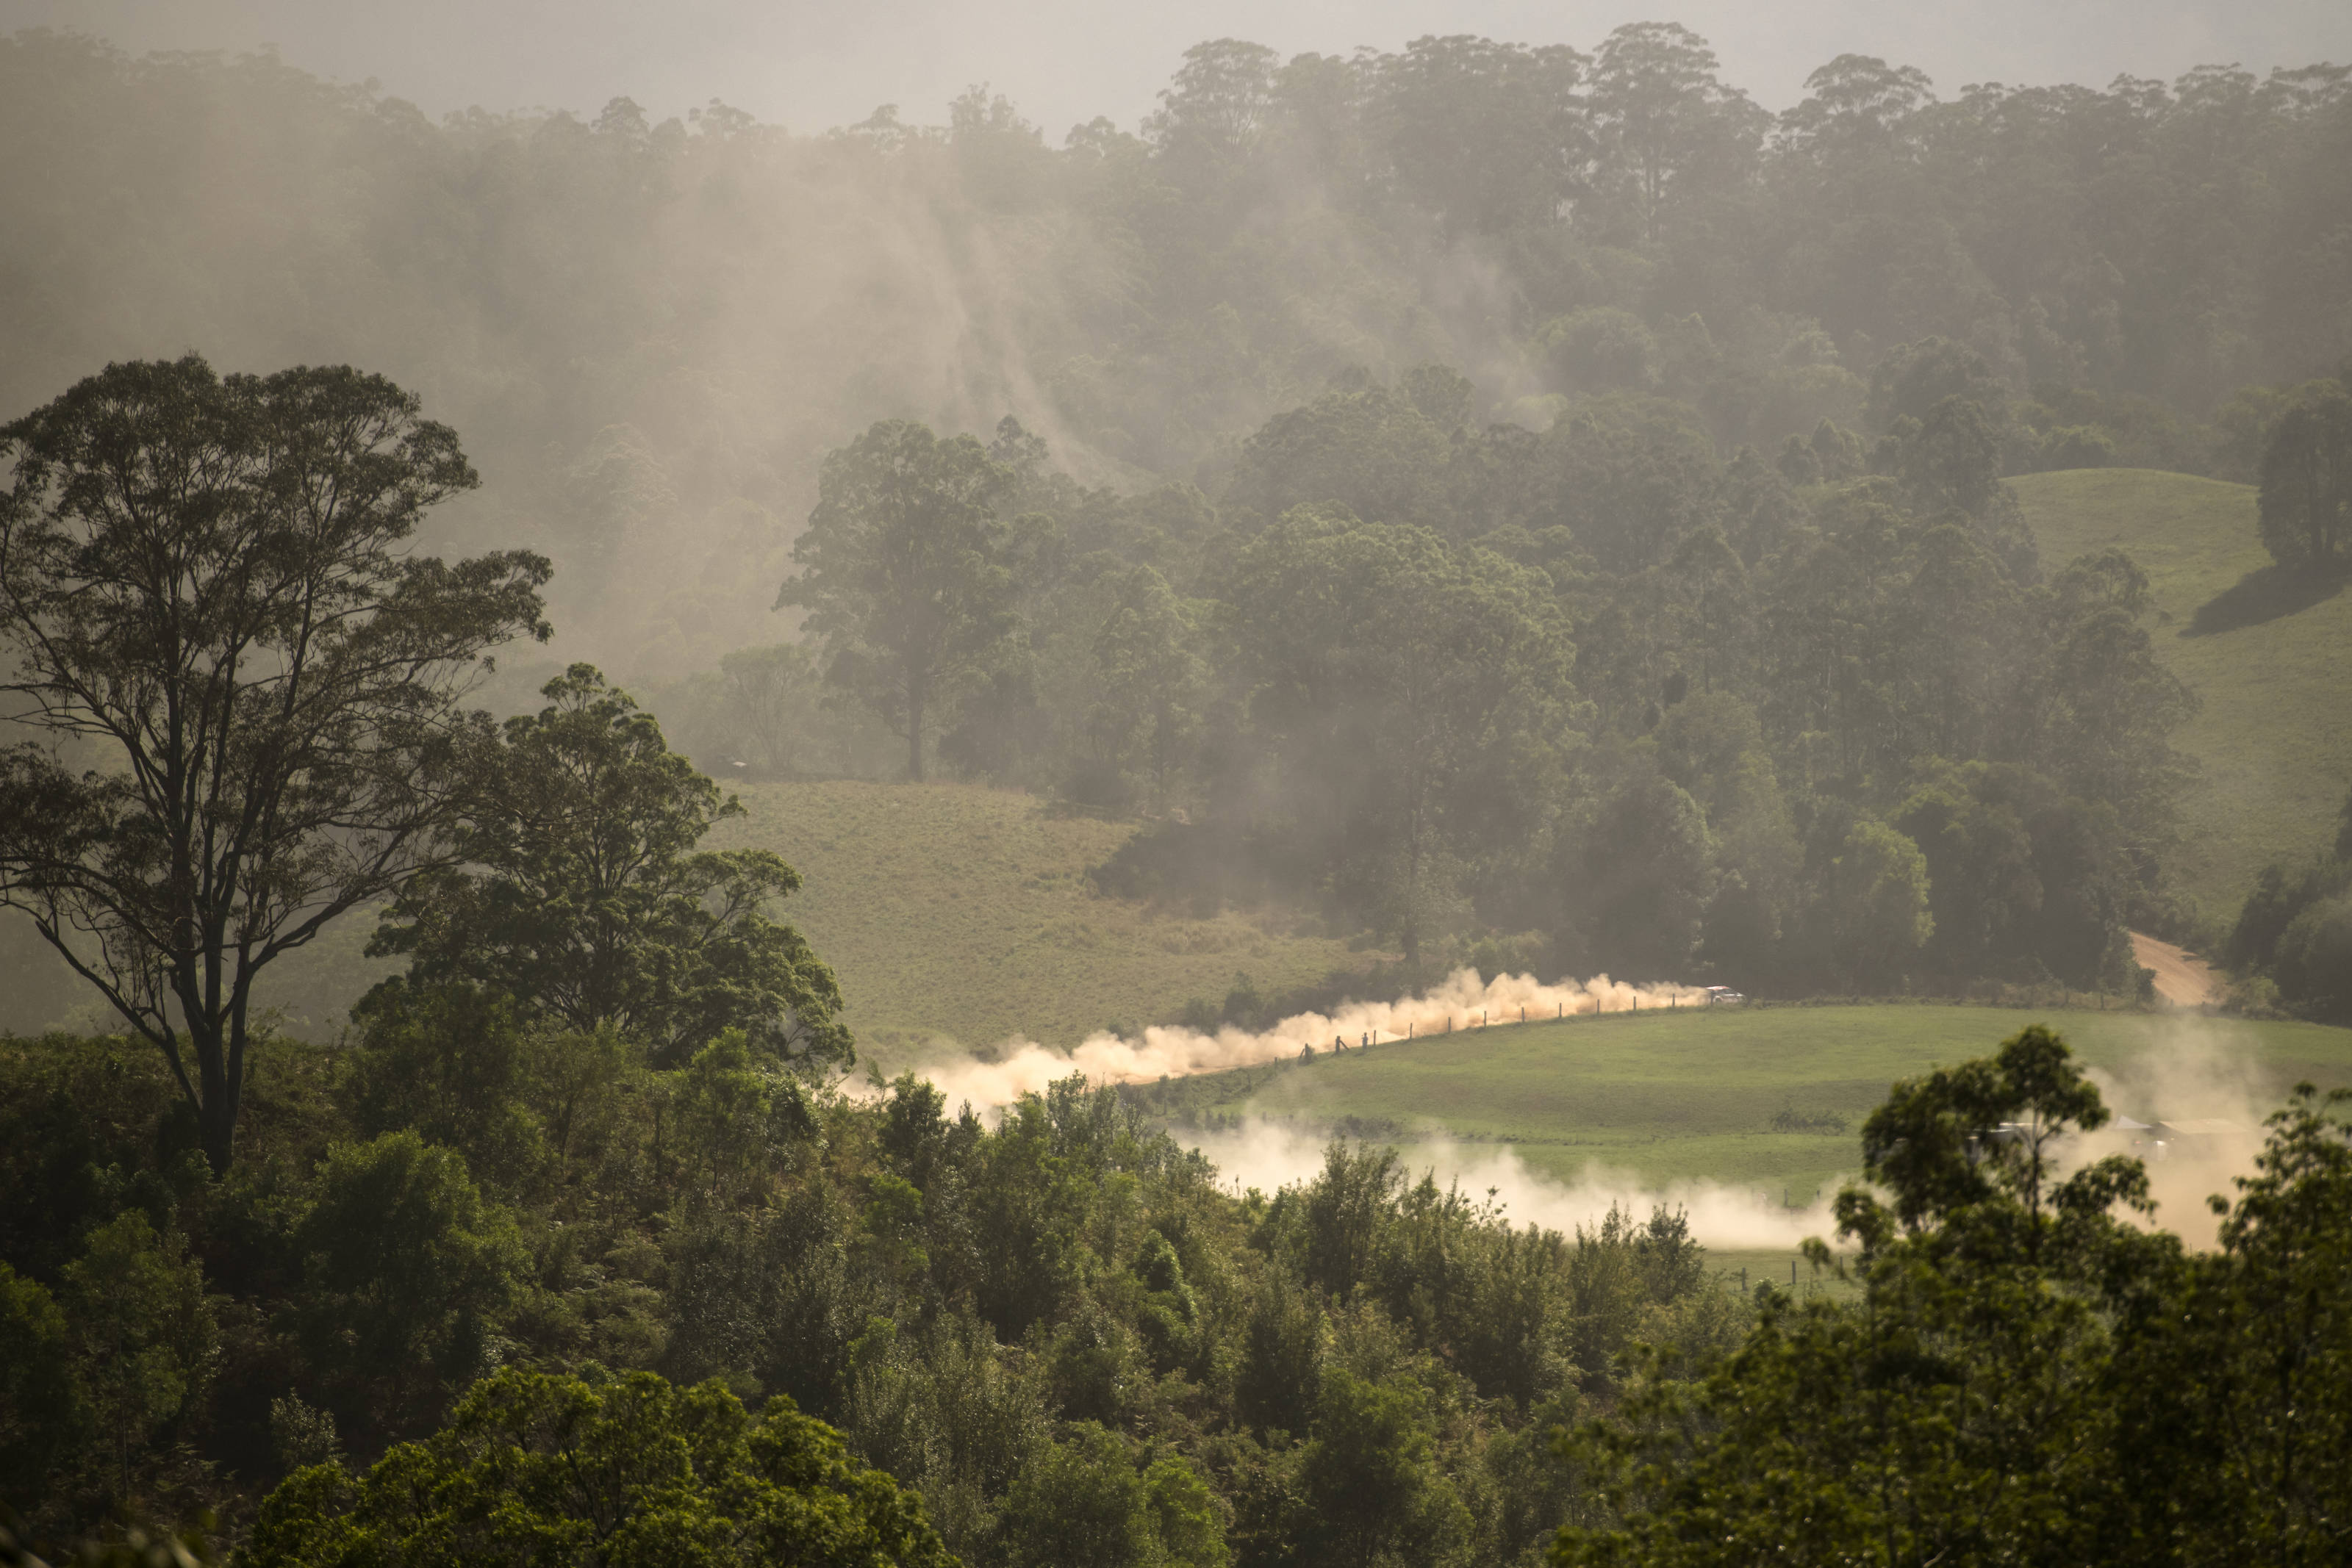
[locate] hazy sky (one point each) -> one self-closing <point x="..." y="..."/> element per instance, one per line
<point x="808" y="65"/>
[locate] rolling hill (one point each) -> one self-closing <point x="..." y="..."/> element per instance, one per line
<point x="2269" y="654"/>
<point x="954" y="911"/>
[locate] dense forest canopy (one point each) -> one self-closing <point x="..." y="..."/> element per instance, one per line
<point x="649" y="333"/>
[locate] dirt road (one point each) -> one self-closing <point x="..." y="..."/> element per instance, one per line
<point x="2181" y="979"/>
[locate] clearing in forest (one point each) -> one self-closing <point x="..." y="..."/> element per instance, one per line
<point x="2269" y="653"/>
<point x="1770" y="1097"/>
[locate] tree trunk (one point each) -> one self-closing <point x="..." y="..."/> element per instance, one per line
<point x="219" y="1074"/>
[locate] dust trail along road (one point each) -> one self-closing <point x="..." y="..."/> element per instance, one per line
<point x="2181" y="978"/>
<point x="1462" y="1001"/>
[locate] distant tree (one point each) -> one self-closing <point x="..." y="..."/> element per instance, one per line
<point x="1915" y="377"/>
<point x="205" y="598"/>
<point x="2315" y="961"/>
<point x="1643" y="881"/>
<point x="1600" y="348"/>
<point x="2306" y="480"/>
<point x="1369" y="641"/>
<point x="1854" y="109"/>
<point x="540" y="1472"/>
<point x="1664" y="119"/>
<point x="1214" y="111"/>
<point x="902" y="574"/>
<point x="2281" y="893"/>
<point x="584" y="896"/>
<point x="1483" y="136"/>
<point x="1711" y="603"/>
<point x="1365" y="446"/>
<point x="1879" y="901"/>
<point x="1147" y="676"/>
<point x="1953" y="458"/>
<point x="765" y="696"/>
<point x="2110" y="707"/>
<point x="1631" y="478"/>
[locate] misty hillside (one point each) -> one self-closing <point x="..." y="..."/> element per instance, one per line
<point x="648" y="333"/>
<point x="1678" y="402"/>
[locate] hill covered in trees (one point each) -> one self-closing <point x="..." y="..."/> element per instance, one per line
<point x="650" y="331"/>
<point x="1662" y="446"/>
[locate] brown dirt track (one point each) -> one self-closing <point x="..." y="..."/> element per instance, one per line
<point x="2181" y="978"/>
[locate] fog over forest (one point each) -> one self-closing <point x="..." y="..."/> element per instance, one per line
<point x="1076" y="788"/>
<point x="649" y="329"/>
<point x="808" y="67"/>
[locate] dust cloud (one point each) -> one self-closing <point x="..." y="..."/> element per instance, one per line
<point x="2202" y="1106"/>
<point x="1462" y="1002"/>
<point x="1268" y="1155"/>
<point x="2205" y="1105"/>
<point x="2195" y="1109"/>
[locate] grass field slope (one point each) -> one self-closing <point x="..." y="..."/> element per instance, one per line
<point x="2269" y="654"/>
<point x="958" y="913"/>
<point x="950" y="912"/>
<point x="1772" y="1098"/>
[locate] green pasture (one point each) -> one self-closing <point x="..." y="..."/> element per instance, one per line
<point x="954" y="911"/>
<point x="949" y="912"/>
<point x="2269" y="653"/>
<point x="1692" y="1095"/>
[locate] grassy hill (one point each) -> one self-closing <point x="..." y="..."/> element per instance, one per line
<point x="1693" y="1094"/>
<point x="947" y="911"/>
<point x="2270" y="655"/>
<point x="958" y="912"/>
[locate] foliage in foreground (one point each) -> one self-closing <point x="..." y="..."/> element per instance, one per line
<point x="625" y="1472"/>
<point x="1066" y="1339"/>
<point x="1061" y="1332"/>
<point x="2025" y="1376"/>
<point x="210" y="603"/>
